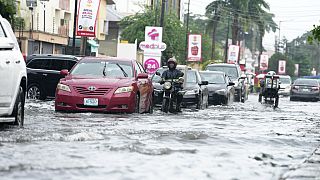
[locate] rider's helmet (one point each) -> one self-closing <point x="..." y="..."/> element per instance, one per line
<point x="172" y="63"/>
<point x="271" y="73"/>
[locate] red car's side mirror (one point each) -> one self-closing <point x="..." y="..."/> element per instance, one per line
<point x="143" y="76"/>
<point x="64" y="72"/>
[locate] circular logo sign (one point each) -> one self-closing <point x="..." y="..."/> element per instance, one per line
<point x="151" y="65"/>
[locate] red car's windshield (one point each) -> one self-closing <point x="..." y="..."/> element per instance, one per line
<point x="104" y="68"/>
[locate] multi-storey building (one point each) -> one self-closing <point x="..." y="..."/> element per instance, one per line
<point x="48" y="25"/>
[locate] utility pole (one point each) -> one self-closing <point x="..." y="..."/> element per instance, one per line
<point x="226" y="45"/>
<point x="187" y="31"/>
<point x="74" y="27"/>
<point x="163" y="6"/>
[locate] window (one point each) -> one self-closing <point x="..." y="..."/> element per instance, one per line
<point x="40" y="64"/>
<point x="141" y="68"/>
<point x="58" y="65"/>
<point x="71" y="64"/>
<point x="104" y="68"/>
<point x="2" y="33"/>
<point x="138" y="69"/>
<point x="192" y="77"/>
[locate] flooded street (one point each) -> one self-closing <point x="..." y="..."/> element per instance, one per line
<point x="241" y="141"/>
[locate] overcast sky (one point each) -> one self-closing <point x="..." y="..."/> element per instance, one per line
<point x="298" y="16"/>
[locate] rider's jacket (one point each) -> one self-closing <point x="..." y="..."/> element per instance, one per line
<point x="172" y="74"/>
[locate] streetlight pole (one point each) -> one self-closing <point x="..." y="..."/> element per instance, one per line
<point x="226" y="45"/>
<point x="164" y="2"/>
<point x="187" y="31"/>
<point x="74" y="27"/>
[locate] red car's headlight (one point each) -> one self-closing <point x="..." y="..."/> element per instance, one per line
<point x="124" y="90"/>
<point x="63" y="87"/>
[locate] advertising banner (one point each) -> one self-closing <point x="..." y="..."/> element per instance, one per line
<point x="233" y="54"/>
<point x="282" y="67"/>
<point x="152" y="63"/>
<point x="194" y="47"/>
<point x="264" y="62"/>
<point x="152" y="48"/>
<point x="87" y="17"/>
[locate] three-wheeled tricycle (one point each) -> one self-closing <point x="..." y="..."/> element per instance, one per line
<point x="270" y="86"/>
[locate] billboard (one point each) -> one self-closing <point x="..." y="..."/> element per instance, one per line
<point x="233" y="54"/>
<point x="264" y="62"/>
<point x="194" y="47"/>
<point x="87" y="17"/>
<point x="282" y="67"/>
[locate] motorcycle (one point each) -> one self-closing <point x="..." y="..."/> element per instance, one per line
<point x="172" y="89"/>
<point x="269" y="90"/>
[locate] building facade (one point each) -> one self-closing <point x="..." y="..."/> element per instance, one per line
<point x="48" y="25"/>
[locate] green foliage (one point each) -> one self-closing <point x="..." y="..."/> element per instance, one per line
<point x="174" y="35"/>
<point x="274" y="63"/>
<point x="19" y="23"/>
<point x="8" y="9"/>
<point x="315" y="34"/>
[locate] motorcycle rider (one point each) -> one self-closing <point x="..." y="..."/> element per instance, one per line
<point x="173" y="73"/>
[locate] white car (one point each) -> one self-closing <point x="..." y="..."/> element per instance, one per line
<point x="13" y="76"/>
<point x="285" y="85"/>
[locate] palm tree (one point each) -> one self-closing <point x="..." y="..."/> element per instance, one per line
<point x="214" y="12"/>
<point x="262" y="19"/>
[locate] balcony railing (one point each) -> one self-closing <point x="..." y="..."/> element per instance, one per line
<point x="63" y="30"/>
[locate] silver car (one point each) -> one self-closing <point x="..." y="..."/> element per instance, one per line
<point x="305" y="89"/>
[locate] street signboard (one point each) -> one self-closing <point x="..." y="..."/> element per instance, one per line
<point x="194" y="48"/>
<point x="282" y="67"/>
<point x="233" y="54"/>
<point x="264" y="62"/>
<point x="31" y="3"/>
<point x="152" y="48"/>
<point x="87" y="17"/>
<point x="152" y="64"/>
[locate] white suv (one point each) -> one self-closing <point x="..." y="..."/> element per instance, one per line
<point x="13" y="77"/>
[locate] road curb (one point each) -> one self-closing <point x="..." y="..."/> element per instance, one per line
<point x="309" y="169"/>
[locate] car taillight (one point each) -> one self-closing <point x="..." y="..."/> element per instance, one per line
<point x="315" y="88"/>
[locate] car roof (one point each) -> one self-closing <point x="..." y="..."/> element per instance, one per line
<point x="284" y="76"/>
<point x="90" y="59"/>
<point x="51" y="55"/>
<point x="212" y="72"/>
<point x="224" y="64"/>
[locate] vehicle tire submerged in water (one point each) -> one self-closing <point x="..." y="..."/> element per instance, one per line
<point x="18" y="111"/>
<point x="137" y="105"/>
<point x="276" y="102"/>
<point x="165" y="105"/>
<point x="35" y="92"/>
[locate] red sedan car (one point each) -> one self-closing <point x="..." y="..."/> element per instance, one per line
<point x="106" y="85"/>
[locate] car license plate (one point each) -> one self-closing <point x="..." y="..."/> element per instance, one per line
<point x="91" y="102"/>
<point x="305" y="90"/>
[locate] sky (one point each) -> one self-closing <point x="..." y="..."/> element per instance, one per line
<point x="296" y="16"/>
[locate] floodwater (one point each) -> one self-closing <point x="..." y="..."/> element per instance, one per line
<point x="240" y="141"/>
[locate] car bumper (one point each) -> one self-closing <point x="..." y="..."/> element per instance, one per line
<point x="190" y="99"/>
<point x="109" y="103"/>
<point x="305" y="95"/>
<point x="217" y="98"/>
<point x="285" y="92"/>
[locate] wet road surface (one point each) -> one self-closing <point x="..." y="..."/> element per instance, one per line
<point x="240" y="141"/>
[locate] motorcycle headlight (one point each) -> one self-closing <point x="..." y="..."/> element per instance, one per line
<point x="63" y="87"/>
<point x="196" y="91"/>
<point x="167" y="85"/>
<point x="124" y="90"/>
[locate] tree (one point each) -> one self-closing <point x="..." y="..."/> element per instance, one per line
<point x="214" y="13"/>
<point x="274" y="63"/>
<point x="315" y="34"/>
<point x="173" y="35"/>
<point x="8" y="9"/>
